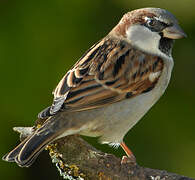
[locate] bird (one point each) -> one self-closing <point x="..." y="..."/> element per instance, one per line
<point x="111" y="87"/>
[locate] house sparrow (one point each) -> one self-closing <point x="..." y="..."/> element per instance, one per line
<point x="111" y="86"/>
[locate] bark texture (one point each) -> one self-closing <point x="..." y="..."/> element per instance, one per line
<point x="76" y="159"/>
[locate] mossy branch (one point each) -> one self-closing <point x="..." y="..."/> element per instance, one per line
<point x="76" y="159"/>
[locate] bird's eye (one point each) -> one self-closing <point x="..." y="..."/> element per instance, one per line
<point x="155" y="25"/>
<point x="151" y="22"/>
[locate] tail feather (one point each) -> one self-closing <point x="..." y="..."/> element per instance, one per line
<point x="28" y="150"/>
<point x="10" y="157"/>
<point x="33" y="147"/>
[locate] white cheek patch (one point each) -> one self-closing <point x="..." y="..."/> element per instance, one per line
<point x="154" y="76"/>
<point x="144" y="39"/>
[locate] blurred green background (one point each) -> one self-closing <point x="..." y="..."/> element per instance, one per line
<point x="40" y="40"/>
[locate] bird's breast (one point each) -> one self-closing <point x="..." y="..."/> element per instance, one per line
<point x="114" y="121"/>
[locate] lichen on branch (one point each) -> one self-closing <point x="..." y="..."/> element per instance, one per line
<point x="77" y="160"/>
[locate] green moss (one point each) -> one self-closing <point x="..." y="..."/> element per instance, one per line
<point x="66" y="171"/>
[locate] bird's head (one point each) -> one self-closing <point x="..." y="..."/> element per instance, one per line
<point x="152" y="30"/>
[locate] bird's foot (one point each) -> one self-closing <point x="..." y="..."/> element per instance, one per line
<point x="128" y="159"/>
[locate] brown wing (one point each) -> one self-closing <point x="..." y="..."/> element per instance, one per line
<point x="110" y="71"/>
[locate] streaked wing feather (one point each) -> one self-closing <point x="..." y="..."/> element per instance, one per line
<point x="110" y="71"/>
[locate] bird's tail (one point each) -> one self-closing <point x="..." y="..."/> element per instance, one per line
<point x="27" y="151"/>
<point x="10" y="157"/>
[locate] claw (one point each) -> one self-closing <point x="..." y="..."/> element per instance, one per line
<point x="130" y="158"/>
<point x="126" y="159"/>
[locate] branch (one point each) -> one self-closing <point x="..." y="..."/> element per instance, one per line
<point x="76" y="159"/>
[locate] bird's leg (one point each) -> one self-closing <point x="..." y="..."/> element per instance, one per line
<point x="130" y="157"/>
